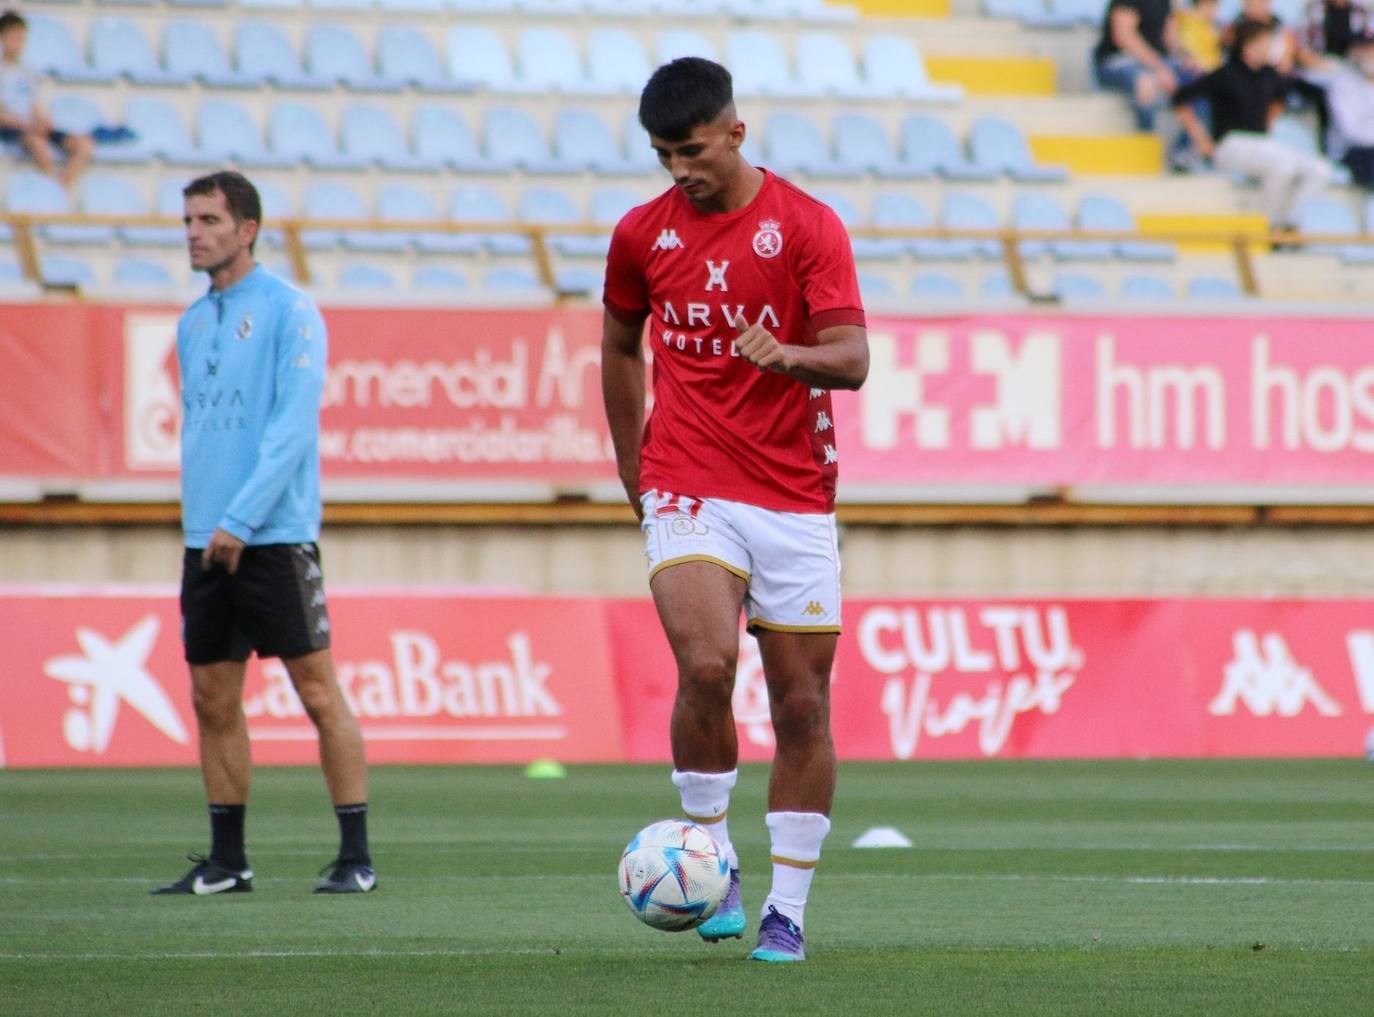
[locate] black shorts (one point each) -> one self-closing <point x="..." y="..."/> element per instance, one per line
<point x="273" y="604"/>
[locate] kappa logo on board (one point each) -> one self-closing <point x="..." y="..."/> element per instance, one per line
<point x="1264" y="675"/>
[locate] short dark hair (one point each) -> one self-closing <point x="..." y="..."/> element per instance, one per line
<point x="239" y="194"/>
<point x="12" y="19"/>
<point x="682" y="95"/>
<point x="1248" y="31"/>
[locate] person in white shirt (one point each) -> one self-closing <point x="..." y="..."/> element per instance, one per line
<point x="1350" y="98"/>
<point x="22" y="117"/>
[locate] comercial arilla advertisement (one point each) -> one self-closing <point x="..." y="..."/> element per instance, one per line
<point x="95" y="678"/>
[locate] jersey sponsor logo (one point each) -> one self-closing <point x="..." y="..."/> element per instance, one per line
<point x="668" y="240"/>
<point x="715" y="275"/>
<point x="814" y="609"/>
<point x="768" y="239"/>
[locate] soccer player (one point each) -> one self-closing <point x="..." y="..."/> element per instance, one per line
<point x="749" y="289"/>
<point x="251" y="353"/>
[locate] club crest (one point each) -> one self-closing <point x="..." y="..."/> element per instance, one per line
<point x="245" y="328"/>
<point x="768" y="240"/>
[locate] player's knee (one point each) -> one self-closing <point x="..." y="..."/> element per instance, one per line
<point x="215" y="711"/>
<point x="800" y="715"/>
<point x="707" y="678"/>
<point x="318" y="699"/>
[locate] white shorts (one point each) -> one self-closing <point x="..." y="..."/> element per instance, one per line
<point x="790" y="560"/>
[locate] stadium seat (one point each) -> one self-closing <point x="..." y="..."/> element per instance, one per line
<point x="1068" y="14"/>
<point x="901" y="210"/>
<point x="1072" y="286"/>
<point x="438" y="277"/>
<point x="298" y="131"/>
<point x="106" y="195"/>
<point x="511" y="281"/>
<point x="1297" y="135"/>
<point x="1034" y="210"/>
<point x="324" y="200"/>
<point x="581" y="140"/>
<point x="11" y="276"/>
<point x="865" y="248"/>
<point x="334" y="53"/>
<point x="998" y="145"/>
<point x="64" y="270"/>
<point x="760" y="68"/>
<point x="262" y="51"/>
<point x="52" y="49"/>
<point x="405" y="54"/>
<point x="477" y="55"/>
<point x="616" y="61"/>
<point x="118" y="47"/>
<point x="964" y="211"/>
<point x="997" y="286"/>
<point x="894" y="66"/>
<point x="140" y="273"/>
<point x="1333" y="217"/>
<point x="227" y="132"/>
<point x="862" y="145"/>
<point x="371" y="134"/>
<point x="404" y="203"/>
<point x="609" y="204"/>
<point x="1206" y="287"/>
<point x="481" y="205"/>
<point x="679" y="42"/>
<point x="169" y="203"/>
<point x="875" y="287"/>
<point x="512" y="136"/>
<point x="192" y="50"/>
<point x="365" y="277"/>
<point x="501" y="7"/>
<point x="440" y="135"/>
<point x="792" y="143"/>
<point x="161" y="133"/>
<point x="551" y="206"/>
<point x="929" y="146"/>
<point x="1146" y="287"/>
<point x="826" y="64"/>
<point x="75" y="114"/>
<point x="936" y="284"/>
<point x="1024" y="11"/>
<point x="578" y="279"/>
<point x="1105" y="213"/>
<point x="549" y="61"/>
<point x="28" y="191"/>
<point x="629" y="8"/>
<point x="639" y="154"/>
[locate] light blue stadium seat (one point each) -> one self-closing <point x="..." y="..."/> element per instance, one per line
<point x="344" y="7"/>
<point x="894" y="66"/>
<point x="999" y="145"/>
<point x="298" y="131"/>
<point x="64" y="270"/>
<point x="1024" y="11"/>
<point x="438" y="277"/>
<point x="480" y="204"/>
<point x="549" y="61"/>
<point x="439" y="134"/>
<point x="326" y="200"/>
<point x="760" y="67"/>
<point x="1208" y="287"/>
<point x="118" y="47"/>
<point x="681" y="42"/>
<point x="75" y="114"/>
<point x="548" y="205"/>
<point x="477" y="55"/>
<point x="512" y="136"/>
<point x="1103" y="212"/>
<point x="579" y="279"/>
<point x="901" y="210"/>
<point x="169" y="203"/>
<point x="616" y="61"/>
<point x="555" y="8"/>
<point x="11" y="275"/>
<point x="362" y="276"/>
<point x="1146" y="287"/>
<point x="581" y="140"/>
<point x="52" y="49"/>
<point x="404" y="203"/>
<point x="826" y="63"/>
<point x="1333" y="216"/>
<point x="936" y="284"/>
<point x="862" y="145"/>
<point x="106" y="195"/>
<point x="140" y="273"/>
<point x="609" y="204"/>
<point x="371" y="133"/>
<point x="930" y="146"/>
<point x="792" y="143"/>
<point x="334" y="53"/>
<point x="875" y="287"/>
<point x="405" y="54"/>
<point x="160" y="132"/>
<point x="262" y="51"/>
<point x="1073" y="286"/>
<point x="865" y="248"/>
<point x="501" y="7"/>
<point x="192" y="50"/>
<point x="965" y="211"/>
<point x="511" y="281"/>
<point x="638" y="152"/>
<point x="1068" y="14"/>
<point x="997" y="286"/>
<point x="31" y="192"/>
<point x="227" y="132"/>
<point x="1033" y="210"/>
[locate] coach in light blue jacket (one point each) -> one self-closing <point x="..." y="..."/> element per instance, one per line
<point x="252" y="357"/>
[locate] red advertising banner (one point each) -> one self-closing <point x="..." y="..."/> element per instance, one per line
<point x="483" y="397"/>
<point x="95" y="678"/>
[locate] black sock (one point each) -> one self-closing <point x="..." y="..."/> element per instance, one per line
<point x="226" y="836"/>
<point x="353" y="832"/>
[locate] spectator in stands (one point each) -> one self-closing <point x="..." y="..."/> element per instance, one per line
<point x="1350" y="96"/>
<point x="22" y="117"/>
<point x="1244" y="94"/>
<point x="1198" y="36"/>
<point x="1329" y="26"/>
<point x="1138" y="55"/>
<point x="1283" y="41"/>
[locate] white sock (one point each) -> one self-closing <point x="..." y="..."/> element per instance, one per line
<point x="796" y="839"/>
<point x="706" y="801"/>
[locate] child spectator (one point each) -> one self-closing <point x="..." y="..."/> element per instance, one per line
<point x="22" y="117"/>
<point x="1198" y="36"/>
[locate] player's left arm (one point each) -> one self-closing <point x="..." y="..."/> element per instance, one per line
<point x="839" y="359"/>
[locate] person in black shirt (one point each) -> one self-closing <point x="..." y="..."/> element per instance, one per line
<point x="1330" y="25"/>
<point x="1138" y="55"/>
<point x="1244" y="94"/>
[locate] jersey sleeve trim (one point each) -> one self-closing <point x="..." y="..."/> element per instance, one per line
<point x="838" y="316"/>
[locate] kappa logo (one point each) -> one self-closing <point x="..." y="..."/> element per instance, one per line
<point x="1265" y="677"/>
<point x="814" y="609"/>
<point x="668" y="240"/>
<point x="768" y="240"/>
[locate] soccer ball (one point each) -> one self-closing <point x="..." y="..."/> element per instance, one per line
<point x="673" y="876"/>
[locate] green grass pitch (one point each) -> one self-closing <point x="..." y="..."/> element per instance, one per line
<point x="1210" y="888"/>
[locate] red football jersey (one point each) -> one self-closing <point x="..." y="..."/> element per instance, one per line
<point x="720" y="427"/>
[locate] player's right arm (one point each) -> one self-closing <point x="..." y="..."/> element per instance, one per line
<point x="622" y="391"/>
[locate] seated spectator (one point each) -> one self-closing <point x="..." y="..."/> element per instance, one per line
<point x="22" y="118"/>
<point x="1138" y="55"/>
<point x="1330" y="25"/>
<point x="1283" y="41"/>
<point x="1350" y="96"/>
<point x="1244" y="94"/>
<point x="1198" y="36"/>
